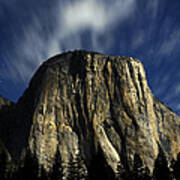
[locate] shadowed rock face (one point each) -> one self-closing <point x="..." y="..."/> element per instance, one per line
<point x="90" y="116"/>
<point x="6" y="166"/>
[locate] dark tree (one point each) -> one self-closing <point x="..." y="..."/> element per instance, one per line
<point x="176" y="168"/>
<point x="139" y="171"/>
<point x="121" y="172"/>
<point x="77" y="169"/>
<point x="161" y="170"/>
<point x="28" y="169"/>
<point x="99" y="169"/>
<point x="6" y="165"/>
<point x="57" y="171"/>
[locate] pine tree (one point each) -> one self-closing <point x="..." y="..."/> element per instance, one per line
<point x="161" y="170"/>
<point x="28" y="169"/>
<point x="77" y="170"/>
<point x="176" y="168"/>
<point x="120" y="171"/>
<point x="138" y="166"/>
<point x="6" y="165"/>
<point x="57" y="171"/>
<point x="99" y="169"/>
<point x="139" y="171"/>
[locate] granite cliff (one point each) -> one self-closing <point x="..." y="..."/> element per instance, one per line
<point x="90" y="116"/>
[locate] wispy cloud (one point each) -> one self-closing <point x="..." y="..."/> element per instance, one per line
<point x="84" y="14"/>
<point x="41" y="30"/>
<point x="28" y="52"/>
<point x="33" y="46"/>
<point x="138" y="40"/>
<point x="170" y="42"/>
<point x="178" y="107"/>
<point x="177" y="89"/>
<point x="96" y="16"/>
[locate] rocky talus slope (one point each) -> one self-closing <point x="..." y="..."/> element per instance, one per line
<point x="90" y="116"/>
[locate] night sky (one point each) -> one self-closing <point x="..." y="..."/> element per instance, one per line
<point x="32" y="31"/>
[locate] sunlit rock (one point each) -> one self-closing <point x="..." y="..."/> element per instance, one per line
<point x="90" y="116"/>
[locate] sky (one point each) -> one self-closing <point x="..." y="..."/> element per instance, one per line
<point x="33" y="31"/>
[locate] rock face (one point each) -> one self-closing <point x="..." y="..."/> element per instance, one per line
<point x="6" y="165"/>
<point x="90" y="116"/>
<point x="4" y="102"/>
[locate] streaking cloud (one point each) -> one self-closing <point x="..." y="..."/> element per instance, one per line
<point x="96" y="16"/>
<point x="34" y="31"/>
<point x="34" y="45"/>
